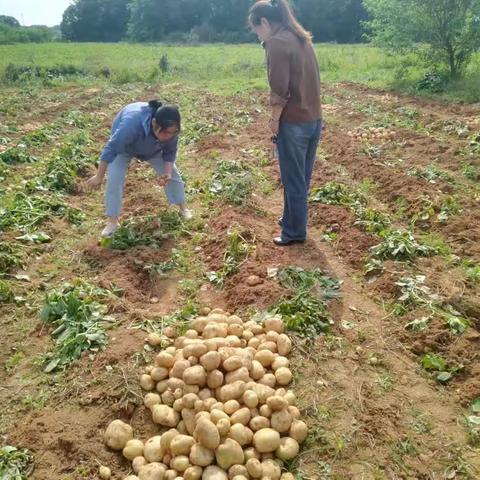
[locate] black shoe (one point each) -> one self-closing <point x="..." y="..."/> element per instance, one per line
<point x="280" y="242"/>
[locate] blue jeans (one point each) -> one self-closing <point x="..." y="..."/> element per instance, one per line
<point x="116" y="173"/>
<point x="297" y="147"/>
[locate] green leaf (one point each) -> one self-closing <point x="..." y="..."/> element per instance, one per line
<point x="476" y="405"/>
<point x="444" y="377"/>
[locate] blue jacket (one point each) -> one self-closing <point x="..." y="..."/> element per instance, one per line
<point x="132" y="134"/>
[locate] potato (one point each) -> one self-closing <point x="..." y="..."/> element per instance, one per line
<point x="209" y="403"/>
<point x="258" y="423"/>
<point x="236" y="470"/>
<point x="231" y="407"/>
<point x="241" y="416"/>
<point x="247" y="335"/>
<point x="283" y="376"/>
<point x="294" y="412"/>
<point x="271" y="470"/>
<point x="265" y="357"/>
<point x="162" y="387"/>
<point x="254" y="468"/>
<point x="250" y="399"/>
<point x="154" y="339"/>
<point x="223" y="426"/>
<point x="181" y="445"/>
<point x="214" y="473"/>
<point x="146" y="382"/>
<point x="168" y="397"/>
<point x="257" y="370"/>
<point x="229" y="453"/>
<point x="189" y="400"/>
<point x="170" y="475"/>
<point x="180" y="463"/>
<point x="159" y="373"/>
<point x="195" y="350"/>
<point x="280" y="362"/>
<point x="188" y="417"/>
<point x="232" y="363"/>
<point x="192" y="360"/>
<point x="272" y="346"/>
<point x="290" y="398"/>
<point x="235" y="329"/>
<point x="131" y="477"/>
<point x="191" y="389"/>
<point x="232" y="391"/>
<point x="277" y="403"/>
<point x="170" y="331"/>
<point x="153" y="450"/>
<point x="241" y="374"/>
<point x="215" y="379"/>
<point x="201" y="456"/>
<point x="193" y="473"/>
<point x="251" y="453"/>
<point x="152" y="471"/>
<point x="206" y="433"/>
<point x="210" y="361"/>
<point x="104" y="473"/>
<point x="269" y="380"/>
<point x="195" y="375"/>
<point x="151" y="399"/>
<point x="281" y="421"/>
<point x="263" y="392"/>
<point x="275" y="324"/>
<point x="213" y="330"/>
<point x="133" y="448"/>
<point x="284" y="344"/>
<point x="191" y="334"/>
<point x="181" y="428"/>
<point x="241" y="434"/>
<point x="164" y="359"/>
<point x="287" y="476"/>
<point x="265" y="411"/>
<point x="138" y="462"/>
<point x="118" y="434"/>
<point x="288" y="449"/>
<point x="165" y="415"/>
<point x="216" y="415"/>
<point x="254" y="343"/>
<point x="178" y="369"/>
<point x="266" y="440"/>
<point x="204" y="394"/>
<point x="298" y="431"/>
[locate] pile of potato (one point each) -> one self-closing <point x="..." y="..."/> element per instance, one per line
<point x="219" y="393"/>
<point x="372" y="132"/>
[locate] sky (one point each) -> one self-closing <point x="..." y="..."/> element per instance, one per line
<point x="35" y="12"/>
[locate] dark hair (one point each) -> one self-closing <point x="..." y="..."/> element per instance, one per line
<point x="165" y="115"/>
<point x="278" y="11"/>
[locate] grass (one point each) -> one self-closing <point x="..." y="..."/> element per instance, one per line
<point x="240" y="244"/>
<point x="224" y="68"/>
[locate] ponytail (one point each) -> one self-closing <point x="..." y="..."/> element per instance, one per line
<point x="278" y="11"/>
<point x="165" y="115"/>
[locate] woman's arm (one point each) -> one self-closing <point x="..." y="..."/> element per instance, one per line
<point x="278" y="60"/>
<point x="122" y="136"/>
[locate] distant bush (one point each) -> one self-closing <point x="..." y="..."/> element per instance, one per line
<point x="40" y="34"/>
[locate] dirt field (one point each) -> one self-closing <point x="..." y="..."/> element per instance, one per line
<point x="374" y="408"/>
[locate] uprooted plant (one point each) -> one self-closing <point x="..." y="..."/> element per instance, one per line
<point x="79" y="321"/>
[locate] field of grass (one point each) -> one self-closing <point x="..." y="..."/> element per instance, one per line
<point x="381" y="302"/>
<point x="226" y="67"/>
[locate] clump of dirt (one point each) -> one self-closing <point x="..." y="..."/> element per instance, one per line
<point x="126" y="269"/>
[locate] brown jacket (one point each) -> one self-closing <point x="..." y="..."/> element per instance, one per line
<point x="294" y="77"/>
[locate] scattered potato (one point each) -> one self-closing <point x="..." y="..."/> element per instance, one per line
<point x="118" y="434"/>
<point x="105" y="473"/>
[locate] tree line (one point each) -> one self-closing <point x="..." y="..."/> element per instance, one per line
<point x="201" y="20"/>
<point x="12" y="32"/>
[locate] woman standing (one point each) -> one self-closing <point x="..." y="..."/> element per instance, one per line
<point x="149" y="132"/>
<point x="296" y="114"/>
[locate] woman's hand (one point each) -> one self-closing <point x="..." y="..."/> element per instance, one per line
<point x="164" y="179"/>
<point x="95" y="182"/>
<point x="274" y="125"/>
